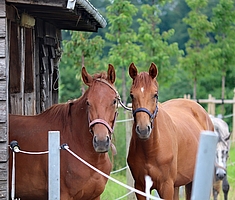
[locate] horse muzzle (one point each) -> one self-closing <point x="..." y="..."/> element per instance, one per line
<point x="101" y="146"/>
<point x="143" y="133"/>
<point x="220" y="173"/>
<point x="101" y="132"/>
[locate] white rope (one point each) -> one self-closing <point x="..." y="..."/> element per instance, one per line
<point x="13" y="177"/>
<point x="109" y="177"/>
<point x="227" y="116"/>
<point x="33" y="153"/>
<point x="16" y="149"/>
<point x="119" y="170"/>
<point x="125" y="120"/>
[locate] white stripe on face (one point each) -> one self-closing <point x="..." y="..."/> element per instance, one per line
<point x="142" y="89"/>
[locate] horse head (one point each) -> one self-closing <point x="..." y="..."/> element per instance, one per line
<point x="221" y="160"/>
<point x="223" y="146"/>
<point x="102" y="107"/>
<point x="144" y="95"/>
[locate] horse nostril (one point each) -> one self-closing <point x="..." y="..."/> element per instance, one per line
<point x="149" y="128"/>
<point x="137" y="129"/>
<point x="107" y="139"/>
<point x="95" y="138"/>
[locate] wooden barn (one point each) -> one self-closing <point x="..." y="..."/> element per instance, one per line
<point x="30" y="50"/>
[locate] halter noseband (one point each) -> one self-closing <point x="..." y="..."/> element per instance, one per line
<point x="152" y="116"/>
<point x="101" y="121"/>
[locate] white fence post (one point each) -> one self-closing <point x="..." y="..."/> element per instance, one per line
<point x="203" y="176"/>
<point x="54" y="165"/>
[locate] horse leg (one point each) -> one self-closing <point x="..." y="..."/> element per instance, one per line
<point x="215" y="193"/>
<point x="188" y="190"/>
<point x="216" y="188"/>
<point x="176" y="193"/>
<point x="140" y="188"/>
<point x="166" y="190"/>
<point x="225" y="186"/>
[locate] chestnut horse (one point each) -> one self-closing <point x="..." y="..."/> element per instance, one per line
<point x="86" y="125"/>
<point x="164" y="138"/>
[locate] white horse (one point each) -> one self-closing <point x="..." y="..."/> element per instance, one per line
<point x="222" y="153"/>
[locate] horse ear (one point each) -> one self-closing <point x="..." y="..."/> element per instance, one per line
<point x="153" y="71"/>
<point x="87" y="78"/>
<point x="111" y="74"/>
<point x="133" y="71"/>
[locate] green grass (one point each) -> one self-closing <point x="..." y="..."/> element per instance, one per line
<point x="231" y="173"/>
<point x="113" y="190"/>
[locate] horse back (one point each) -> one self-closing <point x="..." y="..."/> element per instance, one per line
<point x="188" y="110"/>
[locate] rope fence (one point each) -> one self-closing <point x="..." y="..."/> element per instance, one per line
<point x="16" y="149"/>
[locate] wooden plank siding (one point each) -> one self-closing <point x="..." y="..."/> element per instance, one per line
<point x="33" y="67"/>
<point x="3" y="104"/>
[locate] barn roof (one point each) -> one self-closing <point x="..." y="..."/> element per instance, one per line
<point x="78" y="15"/>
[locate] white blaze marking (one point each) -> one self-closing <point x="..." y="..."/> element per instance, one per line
<point x="142" y="89"/>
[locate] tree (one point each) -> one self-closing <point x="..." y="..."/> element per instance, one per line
<point x="155" y="45"/>
<point x="224" y="46"/>
<point x="199" y="27"/>
<point x="79" y="51"/>
<point x="123" y="50"/>
<point x="171" y="17"/>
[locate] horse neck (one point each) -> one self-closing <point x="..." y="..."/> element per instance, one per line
<point x="155" y="140"/>
<point x="79" y="120"/>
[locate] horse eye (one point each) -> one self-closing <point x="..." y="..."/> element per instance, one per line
<point x="87" y="102"/>
<point x="131" y="95"/>
<point x="114" y="101"/>
<point x="156" y="95"/>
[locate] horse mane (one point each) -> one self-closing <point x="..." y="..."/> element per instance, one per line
<point x="143" y="78"/>
<point x="58" y="112"/>
<point x="61" y="111"/>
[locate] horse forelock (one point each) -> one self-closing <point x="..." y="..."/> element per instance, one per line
<point x="101" y="75"/>
<point x="144" y="80"/>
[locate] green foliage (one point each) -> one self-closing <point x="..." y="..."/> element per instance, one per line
<point x="154" y="44"/>
<point x="123" y="50"/>
<point x="199" y="27"/>
<point x="143" y="32"/>
<point x="79" y="50"/>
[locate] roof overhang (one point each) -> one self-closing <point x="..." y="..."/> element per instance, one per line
<point x="78" y="15"/>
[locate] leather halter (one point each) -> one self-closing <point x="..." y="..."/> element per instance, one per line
<point x="101" y="121"/>
<point x="152" y="116"/>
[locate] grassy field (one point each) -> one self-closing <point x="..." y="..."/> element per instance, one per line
<point x="114" y="191"/>
<point x="231" y="173"/>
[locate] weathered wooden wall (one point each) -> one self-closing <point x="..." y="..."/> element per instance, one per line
<point x="3" y="103"/>
<point x="29" y="59"/>
<point x="33" y="68"/>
